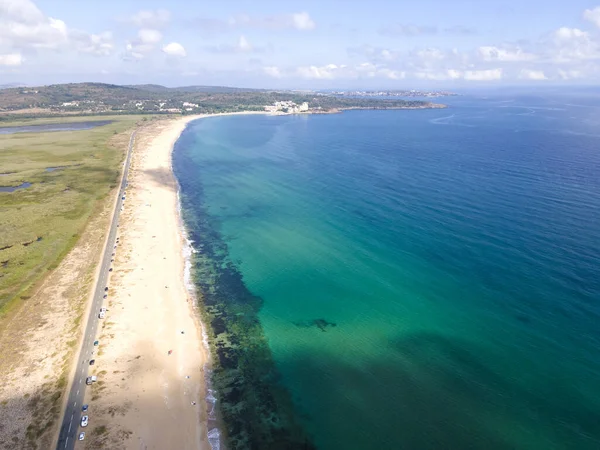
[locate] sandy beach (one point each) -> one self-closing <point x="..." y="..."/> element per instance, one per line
<point x="150" y="359"/>
<point x="150" y="392"/>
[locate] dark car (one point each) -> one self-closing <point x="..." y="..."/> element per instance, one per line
<point x="106" y="289"/>
<point x="92" y="362"/>
<point x="84" y="408"/>
<point x="110" y="270"/>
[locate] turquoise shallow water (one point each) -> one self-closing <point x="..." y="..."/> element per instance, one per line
<point x="425" y="279"/>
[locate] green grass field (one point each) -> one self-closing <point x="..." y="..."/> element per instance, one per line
<point x="41" y="223"/>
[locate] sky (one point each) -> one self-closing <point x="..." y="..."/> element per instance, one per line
<point x="326" y="44"/>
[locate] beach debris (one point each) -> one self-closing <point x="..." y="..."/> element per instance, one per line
<point x="182" y="332"/>
<point x="170" y="351"/>
<point x="194" y="403"/>
<point x="187" y="376"/>
<point x="321" y="324"/>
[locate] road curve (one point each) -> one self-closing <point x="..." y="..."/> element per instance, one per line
<point x="69" y="430"/>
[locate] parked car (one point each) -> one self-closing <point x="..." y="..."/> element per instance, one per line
<point x="82" y="436"/>
<point x="110" y="270"/>
<point x="106" y="289"/>
<point x="102" y="315"/>
<point x="92" y="362"/>
<point x="84" y="421"/>
<point x="84" y="408"/>
<point x="90" y="380"/>
<point x="96" y="343"/>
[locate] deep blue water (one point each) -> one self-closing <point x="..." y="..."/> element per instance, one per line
<point x="427" y="279"/>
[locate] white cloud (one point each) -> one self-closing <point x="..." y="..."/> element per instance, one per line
<point x="149" y="36"/>
<point x="570" y="74"/>
<point x="302" y="21"/>
<point x="374" y="54"/>
<point x="145" y="43"/>
<point x="433" y="76"/>
<point x="572" y="45"/>
<point x="151" y="19"/>
<point x="21" y="33"/>
<point x="410" y="30"/>
<point x="338" y="71"/>
<point x="399" y="29"/>
<point x="297" y="21"/>
<point x="593" y="15"/>
<point x="454" y="74"/>
<point x="23" y="11"/>
<point x="565" y="33"/>
<point x="313" y="72"/>
<point x="244" y="45"/>
<point x="529" y="74"/>
<point x="11" y="59"/>
<point x="483" y="75"/>
<point x="96" y="44"/>
<point x="23" y="27"/>
<point x="387" y="55"/>
<point x="174" y="49"/>
<point x="272" y="71"/>
<point x="430" y="54"/>
<point x="391" y="74"/>
<point x="491" y="53"/>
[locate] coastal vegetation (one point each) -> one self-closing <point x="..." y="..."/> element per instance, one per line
<point x="98" y="98"/>
<point x="59" y="178"/>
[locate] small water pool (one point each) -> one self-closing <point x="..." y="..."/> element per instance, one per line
<point x="14" y="188"/>
<point x="68" y="126"/>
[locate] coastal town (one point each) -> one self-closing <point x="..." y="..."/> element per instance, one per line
<point x="412" y="93"/>
<point x="287" y="107"/>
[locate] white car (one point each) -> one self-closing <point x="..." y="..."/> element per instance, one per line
<point x="84" y="421"/>
<point x="82" y="436"/>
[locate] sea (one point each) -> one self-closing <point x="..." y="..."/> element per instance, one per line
<point x="402" y="279"/>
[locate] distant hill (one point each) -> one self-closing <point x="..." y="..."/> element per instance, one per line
<point x="101" y="98"/>
<point x="11" y="85"/>
<point x="211" y="89"/>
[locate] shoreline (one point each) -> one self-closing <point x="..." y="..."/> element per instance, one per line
<point x="214" y="427"/>
<point x="153" y="362"/>
<point x="143" y="333"/>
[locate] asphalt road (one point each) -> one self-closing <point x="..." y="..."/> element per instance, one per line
<point x="70" y="429"/>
